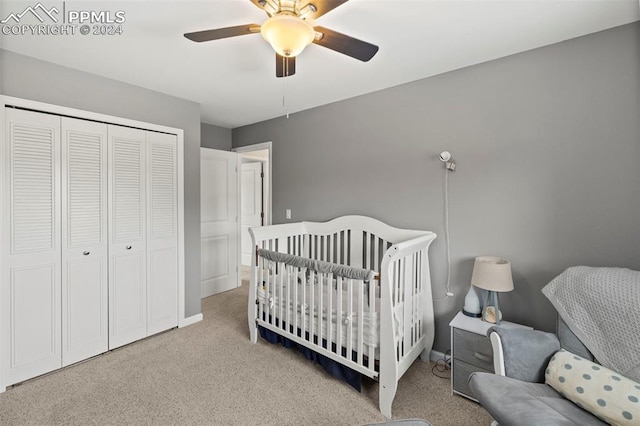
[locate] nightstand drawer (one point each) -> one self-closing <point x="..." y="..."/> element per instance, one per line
<point x="473" y="348"/>
<point x="461" y="372"/>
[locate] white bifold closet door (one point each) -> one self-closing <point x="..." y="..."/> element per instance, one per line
<point x="84" y="240"/>
<point x="143" y="244"/>
<point x="162" y="232"/>
<point x="31" y="249"/>
<point x="127" y="242"/>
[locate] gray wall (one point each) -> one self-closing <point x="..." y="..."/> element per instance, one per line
<point x="29" y="78"/>
<point x="547" y="144"/>
<point x="215" y="137"/>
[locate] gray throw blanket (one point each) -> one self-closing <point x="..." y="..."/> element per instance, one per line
<point x="602" y="308"/>
<point x="318" y="265"/>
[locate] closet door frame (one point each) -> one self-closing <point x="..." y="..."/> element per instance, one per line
<point x="9" y="101"/>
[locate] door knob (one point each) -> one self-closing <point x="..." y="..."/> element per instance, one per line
<point x="128" y="247"/>
<point x="86" y="253"/>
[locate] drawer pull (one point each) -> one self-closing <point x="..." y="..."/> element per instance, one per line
<point x="128" y="247"/>
<point x="482" y="357"/>
<point x="86" y="253"/>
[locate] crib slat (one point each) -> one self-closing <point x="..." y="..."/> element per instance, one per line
<point x="330" y="249"/>
<point x="366" y="250"/>
<point x="398" y="289"/>
<point x="372" y="312"/>
<point x="338" y="340"/>
<point x="304" y="307"/>
<point x="418" y="294"/>
<point x="267" y="290"/>
<point x="330" y="296"/>
<point x="312" y="244"/>
<point x="416" y="297"/>
<point x="270" y="287"/>
<point x="274" y="292"/>
<point x="360" y="317"/>
<point x="421" y="290"/>
<point x="321" y="316"/>
<point x="260" y="266"/>
<point x="349" y="317"/>
<point x="286" y="300"/>
<point x="407" y="285"/>
<point x="312" y="303"/>
<point x="323" y="248"/>
<point x="376" y="255"/>
<point x="280" y="293"/>
<point x="296" y="302"/>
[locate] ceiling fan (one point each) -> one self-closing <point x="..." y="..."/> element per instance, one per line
<point x="290" y="28"/>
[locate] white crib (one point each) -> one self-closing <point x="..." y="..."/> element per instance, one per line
<point x="377" y="326"/>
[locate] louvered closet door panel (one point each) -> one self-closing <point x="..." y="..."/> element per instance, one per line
<point x="127" y="239"/>
<point x="84" y="240"/>
<point x="31" y="255"/>
<point x="162" y="232"/>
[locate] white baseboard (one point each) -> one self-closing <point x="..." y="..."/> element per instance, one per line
<point x="190" y="320"/>
<point x="435" y="356"/>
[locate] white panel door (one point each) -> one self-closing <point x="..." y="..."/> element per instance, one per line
<point x="84" y="240"/>
<point x="127" y="236"/>
<point x="250" y="205"/>
<point x="219" y="221"/>
<point x="162" y="232"/>
<point x="31" y="249"/>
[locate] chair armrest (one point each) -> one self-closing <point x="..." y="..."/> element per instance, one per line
<point x="522" y="354"/>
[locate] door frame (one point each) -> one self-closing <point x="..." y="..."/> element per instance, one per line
<point x="267" y="174"/>
<point x="9" y="101"/>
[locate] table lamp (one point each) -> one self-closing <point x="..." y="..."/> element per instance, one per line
<point x="493" y="274"/>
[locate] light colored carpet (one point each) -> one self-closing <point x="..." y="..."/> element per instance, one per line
<point x="210" y="374"/>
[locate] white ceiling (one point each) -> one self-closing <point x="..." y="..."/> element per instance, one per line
<point x="234" y="79"/>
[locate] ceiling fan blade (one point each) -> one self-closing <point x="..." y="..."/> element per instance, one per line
<point x="345" y="44"/>
<point x="322" y="7"/>
<point x="285" y="66"/>
<point x="219" y="33"/>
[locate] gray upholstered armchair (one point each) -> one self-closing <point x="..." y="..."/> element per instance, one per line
<point x="517" y="394"/>
<point x="554" y="379"/>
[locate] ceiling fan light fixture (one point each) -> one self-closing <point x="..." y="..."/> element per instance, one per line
<point x="287" y="34"/>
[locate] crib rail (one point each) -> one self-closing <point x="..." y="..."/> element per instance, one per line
<point x="335" y="315"/>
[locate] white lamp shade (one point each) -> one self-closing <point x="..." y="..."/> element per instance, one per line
<point x="288" y="35"/>
<point x="492" y="273"/>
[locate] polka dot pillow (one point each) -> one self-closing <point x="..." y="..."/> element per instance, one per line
<point x="592" y="387"/>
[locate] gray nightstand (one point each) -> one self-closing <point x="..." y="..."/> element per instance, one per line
<point x="470" y="350"/>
